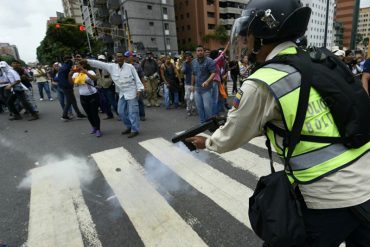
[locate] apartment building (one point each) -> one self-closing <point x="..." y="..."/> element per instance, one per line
<point x="72" y="9"/>
<point x="197" y="19"/>
<point x="317" y="26"/>
<point x="347" y="14"/>
<point x="364" y="22"/>
<point x="8" y="49"/>
<point x="150" y="23"/>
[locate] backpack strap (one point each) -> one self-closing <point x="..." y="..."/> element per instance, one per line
<point x="292" y="138"/>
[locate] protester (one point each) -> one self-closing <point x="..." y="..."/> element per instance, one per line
<point x="150" y="68"/>
<point x="234" y="73"/>
<point x="12" y="82"/>
<point x="84" y="79"/>
<point x="41" y="79"/>
<point x="171" y="82"/>
<point x="106" y="86"/>
<point x="244" y="69"/>
<point x="204" y="71"/>
<point x="129" y="87"/>
<point x="134" y="61"/>
<point x="366" y="76"/>
<point x="67" y="88"/>
<point x="189" y="95"/>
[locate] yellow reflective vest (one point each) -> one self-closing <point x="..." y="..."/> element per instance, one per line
<point x="310" y="160"/>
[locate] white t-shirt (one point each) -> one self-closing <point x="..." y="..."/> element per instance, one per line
<point x="86" y="89"/>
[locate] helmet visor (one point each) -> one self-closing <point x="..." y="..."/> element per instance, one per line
<point x="238" y="36"/>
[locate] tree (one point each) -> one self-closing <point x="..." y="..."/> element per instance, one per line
<point x="219" y="34"/>
<point x="9" y="59"/>
<point x="64" y="38"/>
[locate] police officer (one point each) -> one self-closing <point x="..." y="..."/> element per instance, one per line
<point x="336" y="188"/>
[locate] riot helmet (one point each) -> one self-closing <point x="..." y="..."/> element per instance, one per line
<point x="269" y="21"/>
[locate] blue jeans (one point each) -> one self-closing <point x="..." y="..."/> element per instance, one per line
<point x="166" y="93"/>
<point x="44" y="85"/>
<point x="141" y="106"/>
<point x="128" y="111"/>
<point x="215" y="107"/>
<point x="109" y="96"/>
<point x="62" y="99"/>
<point x="204" y="103"/>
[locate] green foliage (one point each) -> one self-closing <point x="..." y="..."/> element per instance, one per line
<point x="66" y="40"/>
<point x="9" y="59"/>
<point x="219" y="34"/>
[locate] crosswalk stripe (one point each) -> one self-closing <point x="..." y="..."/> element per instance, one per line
<point x="223" y="190"/>
<point x="58" y="213"/>
<point x="156" y="222"/>
<point x="248" y="161"/>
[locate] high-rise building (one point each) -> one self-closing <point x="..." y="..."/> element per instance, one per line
<point x="150" y="23"/>
<point x="8" y="49"/>
<point x="72" y="9"/>
<point x="195" y="20"/>
<point x="346" y="13"/>
<point x="88" y="18"/>
<point x="320" y="23"/>
<point x="364" y="23"/>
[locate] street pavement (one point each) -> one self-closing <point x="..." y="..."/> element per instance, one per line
<point x="61" y="186"/>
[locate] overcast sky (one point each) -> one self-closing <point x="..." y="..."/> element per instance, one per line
<point x="23" y="23"/>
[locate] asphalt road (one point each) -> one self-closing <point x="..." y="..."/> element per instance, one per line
<point x="25" y="145"/>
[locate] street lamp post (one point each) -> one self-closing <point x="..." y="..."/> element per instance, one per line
<point x="326" y="23"/>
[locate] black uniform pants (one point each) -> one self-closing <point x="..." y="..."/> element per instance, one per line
<point x="331" y="227"/>
<point x="90" y="104"/>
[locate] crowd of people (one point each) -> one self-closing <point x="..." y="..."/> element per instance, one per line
<point x="122" y="85"/>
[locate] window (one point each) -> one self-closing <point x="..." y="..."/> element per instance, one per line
<point x="211" y="14"/>
<point x="187" y="15"/>
<point x="149" y="6"/>
<point x="188" y="27"/>
<point x="151" y="23"/>
<point x="152" y="39"/>
<point x="165" y="11"/>
<point x="166" y="26"/>
<point x="189" y="40"/>
<point x="211" y="26"/>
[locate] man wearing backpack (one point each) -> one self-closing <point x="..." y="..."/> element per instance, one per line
<point x="333" y="180"/>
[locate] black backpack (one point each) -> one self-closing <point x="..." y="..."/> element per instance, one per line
<point x="342" y="92"/>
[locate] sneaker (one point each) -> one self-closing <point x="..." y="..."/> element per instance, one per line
<point x="157" y="105"/>
<point x="81" y="116"/>
<point x="71" y="116"/>
<point x="98" y="133"/>
<point x="148" y="105"/>
<point x="93" y="131"/>
<point x="126" y="131"/>
<point x="41" y="99"/>
<point x="142" y="118"/>
<point x="51" y="99"/>
<point x="132" y="134"/>
<point x="65" y="119"/>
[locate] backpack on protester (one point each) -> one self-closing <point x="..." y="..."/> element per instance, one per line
<point x="274" y="208"/>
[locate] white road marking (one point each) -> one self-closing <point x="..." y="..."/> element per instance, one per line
<point x="58" y="214"/>
<point x="155" y="221"/>
<point x="224" y="191"/>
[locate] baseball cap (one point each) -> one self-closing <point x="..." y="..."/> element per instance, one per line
<point x="339" y="53"/>
<point x="101" y="57"/>
<point x="3" y="64"/>
<point x="128" y="53"/>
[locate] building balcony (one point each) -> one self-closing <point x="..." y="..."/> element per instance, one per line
<point x="227" y="21"/>
<point x="115" y="19"/>
<point x="100" y="2"/>
<point x="113" y="4"/>
<point x="230" y="10"/>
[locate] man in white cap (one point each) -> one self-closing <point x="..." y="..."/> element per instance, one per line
<point x="106" y="85"/>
